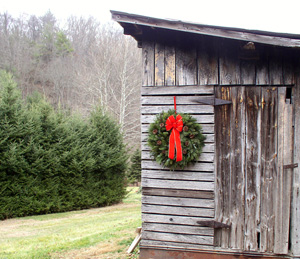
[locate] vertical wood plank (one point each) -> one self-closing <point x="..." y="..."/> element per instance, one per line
<point x="207" y="59"/>
<point x="268" y="167"/>
<point x="295" y="211"/>
<point x="222" y="119"/>
<point x="247" y="72"/>
<point x="170" y="78"/>
<point x="159" y="64"/>
<point x="148" y="63"/>
<point x="283" y="192"/>
<point x="262" y="68"/>
<point x="288" y="68"/>
<point x="275" y="68"/>
<point x="252" y="205"/>
<point x="186" y="65"/>
<point x="237" y="181"/>
<point x="229" y="64"/>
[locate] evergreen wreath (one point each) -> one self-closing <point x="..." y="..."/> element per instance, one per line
<point x="192" y="140"/>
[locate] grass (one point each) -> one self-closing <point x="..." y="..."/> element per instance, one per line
<point x="95" y="233"/>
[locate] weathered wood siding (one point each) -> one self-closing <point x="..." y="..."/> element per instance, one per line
<point x="253" y="190"/>
<point x="239" y="179"/>
<point x="209" y="61"/>
<point x="173" y="201"/>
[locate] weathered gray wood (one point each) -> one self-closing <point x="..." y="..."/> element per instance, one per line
<point x="171" y="228"/>
<point x="206" y="129"/>
<point x="247" y="72"/>
<point x="209" y="138"/>
<point x="183" y="238"/>
<point x="169" y="100"/>
<point x="191" y="109"/>
<point x="262" y="70"/>
<point x="253" y="156"/>
<point x="186" y="66"/>
<point x="170" y="78"/>
<point x="275" y="69"/>
<point x="159" y="60"/>
<point x="178" y="175"/>
<point x="208" y="68"/>
<point x="237" y="163"/>
<point x="205" y="167"/>
<point x="172" y="210"/>
<point x="284" y="177"/>
<point x="172" y="219"/>
<point x="288" y="68"/>
<point x="170" y="245"/>
<point x="181" y="202"/>
<point x="229" y="64"/>
<point x="222" y="184"/>
<point x="268" y="167"/>
<point x="178" y="193"/>
<point x="244" y="35"/>
<point x="177" y="90"/>
<point x="204" y="157"/>
<point x="176" y="184"/>
<point x="295" y="211"/>
<point x="148" y="63"/>
<point x="206" y="118"/>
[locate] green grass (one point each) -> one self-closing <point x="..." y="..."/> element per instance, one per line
<point x="100" y="233"/>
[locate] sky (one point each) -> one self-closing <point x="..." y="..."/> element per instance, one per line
<point x="267" y="15"/>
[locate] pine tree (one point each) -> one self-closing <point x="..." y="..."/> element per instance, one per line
<point x="134" y="173"/>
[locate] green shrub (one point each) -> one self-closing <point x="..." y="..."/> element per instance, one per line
<point x="134" y="172"/>
<point x="51" y="161"/>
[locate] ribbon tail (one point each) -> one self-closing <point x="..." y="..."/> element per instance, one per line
<point x="178" y="146"/>
<point x="172" y="145"/>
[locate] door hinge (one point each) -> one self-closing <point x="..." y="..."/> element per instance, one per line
<point x="212" y="224"/>
<point x="212" y="101"/>
<point x="290" y="166"/>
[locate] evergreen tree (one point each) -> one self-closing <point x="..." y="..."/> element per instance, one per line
<point x="134" y="173"/>
<point x="51" y="161"/>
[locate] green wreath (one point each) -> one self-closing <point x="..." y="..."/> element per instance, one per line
<point x="192" y="140"/>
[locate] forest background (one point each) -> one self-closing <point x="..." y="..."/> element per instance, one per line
<point x="76" y="66"/>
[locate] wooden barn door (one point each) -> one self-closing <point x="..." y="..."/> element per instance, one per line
<point x="254" y="140"/>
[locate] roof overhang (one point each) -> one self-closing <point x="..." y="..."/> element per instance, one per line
<point x="134" y="25"/>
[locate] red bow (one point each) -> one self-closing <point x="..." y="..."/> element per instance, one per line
<point x="176" y="125"/>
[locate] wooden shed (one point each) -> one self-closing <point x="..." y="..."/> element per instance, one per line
<point x="241" y="199"/>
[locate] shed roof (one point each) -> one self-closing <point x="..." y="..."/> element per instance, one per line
<point x="135" y="25"/>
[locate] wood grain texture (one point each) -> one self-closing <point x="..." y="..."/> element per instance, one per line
<point x="172" y="219"/>
<point x="177" y="90"/>
<point x="172" y="210"/>
<point x="177" y="184"/>
<point x="248" y="76"/>
<point x="208" y="67"/>
<point x="172" y="228"/>
<point x="178" y="193"/>
<point x="170" y="58"/>
<point x="284" y="176"/>
<point x="207" y="118"/>
<point x="190" y="109"/>
<point x="295" y="210"/>
<point x="179" y="175"/>
<point x="276" y="69"/>
<point x="182" y="238"/>
<point x="229" y="64"/>
<point x="237" y="163"/>
<point x="174" y="245"/>
<point x="268" y="167"/>
<point x="223" y="115"/>
<point x="159" y="59"/>
<point x="252" y="178"/>
<point x="177" y="201"/>
<point x="148" y="63"/>
<point x="186" y="65"/>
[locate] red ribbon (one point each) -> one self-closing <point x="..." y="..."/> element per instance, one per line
<point x="176" y="126"/>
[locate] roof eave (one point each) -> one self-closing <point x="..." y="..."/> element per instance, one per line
<point x="277" y="39"/>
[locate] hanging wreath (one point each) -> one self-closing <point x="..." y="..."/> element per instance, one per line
<point x="175" y="139"/>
